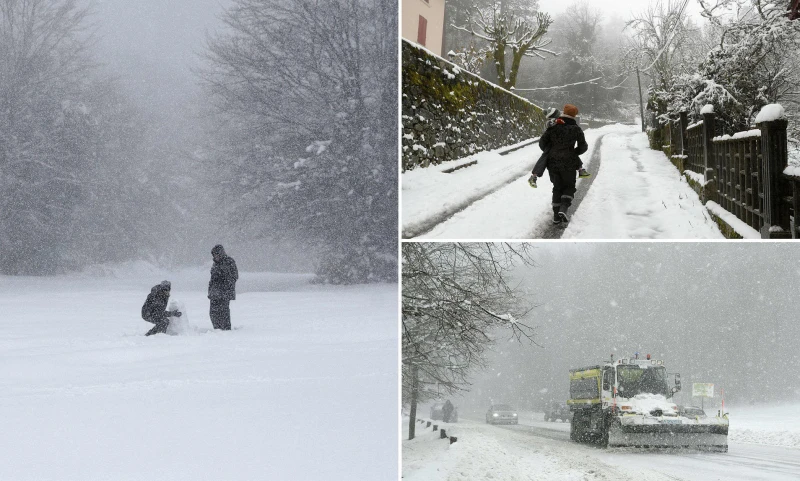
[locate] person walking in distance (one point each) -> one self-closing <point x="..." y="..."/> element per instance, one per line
<point x="222" y="288"/>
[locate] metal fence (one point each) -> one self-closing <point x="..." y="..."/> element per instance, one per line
<point x="743" y="173"/>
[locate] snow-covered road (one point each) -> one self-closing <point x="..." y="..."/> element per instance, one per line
<point x="298" y="390"/>
<point x="536" y="450"/>
<point x="636" y="193"/>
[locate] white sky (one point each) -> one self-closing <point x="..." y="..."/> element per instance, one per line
<point x="610" y="8"/>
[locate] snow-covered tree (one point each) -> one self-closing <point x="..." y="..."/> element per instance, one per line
<point x="511" y="34"/>
<point x="662" y="36"/>
<point x="752" y="63"/>
<point x="455" y="297"/>
<point x="47" y="133"/>
<point x="308" y="92"/>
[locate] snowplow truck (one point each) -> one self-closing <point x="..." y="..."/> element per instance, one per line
<point x="628" y="403"/>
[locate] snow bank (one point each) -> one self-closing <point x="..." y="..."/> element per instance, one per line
<point x="740" y="227"/>
<point x="771" y="112"/>
<point x="699" y="178"/>
<point x="777" y="425"/>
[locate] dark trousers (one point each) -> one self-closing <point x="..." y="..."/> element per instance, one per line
<point x="563" y="186"/>
<point x="221" y="314"/>
<point x="159" y="328"/>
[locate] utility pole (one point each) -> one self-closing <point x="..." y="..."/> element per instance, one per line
<point x="641" y="102"/>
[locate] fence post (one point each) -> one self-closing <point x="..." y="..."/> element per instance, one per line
<point x="774" y="151"/>
<point x="684" y="122"/>
<point x="710" y="187"/>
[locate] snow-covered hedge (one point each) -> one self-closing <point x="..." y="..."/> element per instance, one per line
<point x="449" y="113"/>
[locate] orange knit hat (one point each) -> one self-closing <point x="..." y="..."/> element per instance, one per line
<point x="570" y="110"/>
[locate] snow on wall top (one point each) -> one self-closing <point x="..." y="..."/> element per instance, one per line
<point x="707" y="109"/>
<point x="771" y="112"/>
<point x="461" y="70"/>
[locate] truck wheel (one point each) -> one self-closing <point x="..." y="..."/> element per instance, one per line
<point x="573" y="435"/>
<point x="602" y="438"/>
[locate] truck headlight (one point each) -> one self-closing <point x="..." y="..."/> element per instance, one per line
<point x="515" y="414"/>
<point x="495" y="414"/>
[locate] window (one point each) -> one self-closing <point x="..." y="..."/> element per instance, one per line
<point x="422" y="31"/>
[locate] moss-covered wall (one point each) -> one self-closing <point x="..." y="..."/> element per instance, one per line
<point x="449" y="113"/>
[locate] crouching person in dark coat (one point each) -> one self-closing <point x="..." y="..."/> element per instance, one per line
<point x="222" y="288"/>
<point x="154" y="309"/>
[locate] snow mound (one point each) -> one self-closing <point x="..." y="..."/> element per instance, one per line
<point x="771" y="112"/>
<point x="179" y="325"/>
<point x="707" y="109"/>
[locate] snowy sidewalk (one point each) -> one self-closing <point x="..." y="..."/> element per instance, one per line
<point x="637" y="193"/>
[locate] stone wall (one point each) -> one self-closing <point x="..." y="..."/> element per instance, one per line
<point x="449" y="113"/>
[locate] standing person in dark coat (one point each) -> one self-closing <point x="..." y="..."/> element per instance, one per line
<point x="155" y="310"/>
<point x="552" y="118"/>
<point x="564" y="142"/>
<point x="222" y="288"/>
<point x="447" y="411"/>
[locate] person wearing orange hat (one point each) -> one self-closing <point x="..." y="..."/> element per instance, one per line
<point x="564" y="143"/>
<point x="551" y="119"/>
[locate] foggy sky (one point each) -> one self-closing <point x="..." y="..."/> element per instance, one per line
<point x="613" y="8"/>
<point x="722" y="313"/>
<point x="152" y="45"/>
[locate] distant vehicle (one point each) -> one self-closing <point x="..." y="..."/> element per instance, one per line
<point x="691" y="412"/>
<point x="437" y="414"/>
<point x="501" y="414"/>
<point x="557" y="410"/>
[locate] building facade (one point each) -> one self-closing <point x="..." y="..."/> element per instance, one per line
<point x="423" y="23"/>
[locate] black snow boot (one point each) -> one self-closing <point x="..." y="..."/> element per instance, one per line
<point x="562" y="211"/>
<point x="556" y="216"/>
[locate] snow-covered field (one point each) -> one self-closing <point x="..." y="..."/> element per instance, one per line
<point x="538" y="450"/>
<point x="304" y="387"/>
<point x="637" y="193"/>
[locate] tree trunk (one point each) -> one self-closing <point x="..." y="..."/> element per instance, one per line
<point x="500" y="64"/>
<point x="412" y="416"/>
<point x="515" y="62"/>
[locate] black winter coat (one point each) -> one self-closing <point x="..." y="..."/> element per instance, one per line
<point x="541" y="164"/>
<point x="155" y="307"/>
<point x="560" y="144"/>
<point x="224" y="275"/>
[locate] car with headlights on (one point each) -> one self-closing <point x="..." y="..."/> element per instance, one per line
<point x="501" y="414"/>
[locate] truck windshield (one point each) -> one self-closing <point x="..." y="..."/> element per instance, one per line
<point x="635" y="380"/>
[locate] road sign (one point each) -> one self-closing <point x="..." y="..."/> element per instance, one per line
<point x="700" y="389"/>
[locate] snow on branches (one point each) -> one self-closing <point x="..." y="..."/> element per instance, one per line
<point x="754" y="63"/>
<point x="455" y="299"/>
<point x="504" y="30"/>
